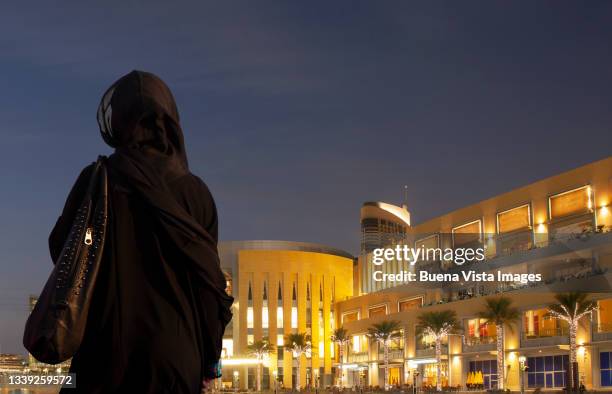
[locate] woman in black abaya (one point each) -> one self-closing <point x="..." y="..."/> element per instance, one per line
<point x="159" y="307"/>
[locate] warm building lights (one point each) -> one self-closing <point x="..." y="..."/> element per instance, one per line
<point x="241" y="361"/>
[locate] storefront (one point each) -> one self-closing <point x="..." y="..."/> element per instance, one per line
<point x="605" y="368"/>
<point x="356" y="375"/>
<point x="396" y="372"/>
<point x="424" y="372"/>
<point x="547" y="371"/>
<point x="482" y="374"/>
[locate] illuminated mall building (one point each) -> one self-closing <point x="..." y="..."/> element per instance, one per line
<point x="558" y="227"/>
<point x="280" y="288"/>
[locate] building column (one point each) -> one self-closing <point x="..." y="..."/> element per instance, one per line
<point x="272" y="328"/>
<point x="327" y="328"/>
<point x="287" y="305"/>
<point x="302" y="278"/>
<point x="596" y="368"/>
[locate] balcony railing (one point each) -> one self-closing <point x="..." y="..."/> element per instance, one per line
<point x="358" y="357"/>
<point x="479" y="344"/>
<point x="604" y="327"/>
<point x="603" y="332"/>
<point x="394" y="354"/>
<point x="579" y="274"/>
<point x="508" y="244"/>
<point x="429" y="349"/>
<point x="547" y="332"/>
<point x="545" y="337"/>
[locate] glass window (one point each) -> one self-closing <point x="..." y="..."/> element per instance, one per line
<point x="479" y="328"/>
<point x="539" y="364"/>
<point x="605" y="378"/>
<point x="559" y="379"/>
<point x="571" y="203"/>
<point x="264" y="317"/>
<point x="515" y="219"/>
<point x="380" y="310"/>
<point x="250" y="317"/>
<point x="349" y="317"/>
<point x="294" y="317"/>
<point x="413" y="303"/>
<point x="538" y="323"/>
<point x="467" y="234"/>
<point x="548" y="363"/>
<point x="228" y="348"/>
<point x="546" y="371"/>
<point x="356" y="344"/>
<point x="604" y="315"/>
<point x="488" y="369"/>
<point x="606" y="368"/>
<point x="279" y="317"/>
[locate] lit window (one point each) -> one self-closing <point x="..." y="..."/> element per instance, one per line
<point x="279" y="317"/>
<point x="538" y="323"/>
<point x="250" y="339"/>
<point x="280" y="340"/>
<point x="294" y="317"/>
<point x="349" y="317"/>
<point x="428" y="340"/>
<point x="264" y="317"/>
<point x="467" y="234"/>
<point x="228" y="347"/>
<point x="514" y="219"/>
<point x="410" y="304"/>
<point x="479" y="328"/>
<point x="250" y="317"/>
<point x="356" y="343"/>
<point x="380" y="310"/>
<point x="570" y="203"/>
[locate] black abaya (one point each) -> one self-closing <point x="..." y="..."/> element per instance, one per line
<point x="159" y="308"/>
<point x="144" y="326"/>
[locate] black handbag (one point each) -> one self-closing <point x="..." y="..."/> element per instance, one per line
<point x="56" y="326"/>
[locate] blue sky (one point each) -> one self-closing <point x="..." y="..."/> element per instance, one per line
<point x="297" y="112"/>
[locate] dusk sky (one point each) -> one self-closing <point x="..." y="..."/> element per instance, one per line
<point x="295" y="113"/>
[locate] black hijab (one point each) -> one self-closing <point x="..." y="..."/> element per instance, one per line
<point x="138" y="117"/>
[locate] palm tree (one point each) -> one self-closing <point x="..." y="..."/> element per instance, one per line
<point x="340" y="337"/>
<point x="571" y="307"/>
<point x="499" y="311"/>
<point x="438" y="325"/>
<point x="384" y="332"/>
<point x="299" y="343"/>
<point x="260" y="349"/>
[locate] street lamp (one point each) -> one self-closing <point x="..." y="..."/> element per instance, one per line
<point x="236" y="380"/>
<point x="415" y="373"/>
<point x="522" y="369"/>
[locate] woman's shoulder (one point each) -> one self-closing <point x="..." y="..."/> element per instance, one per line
<point x="193" y="191"/>
<point x="191" y="182"/>
<point x="87" y="170"/>
<point x="78" y="189"/>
